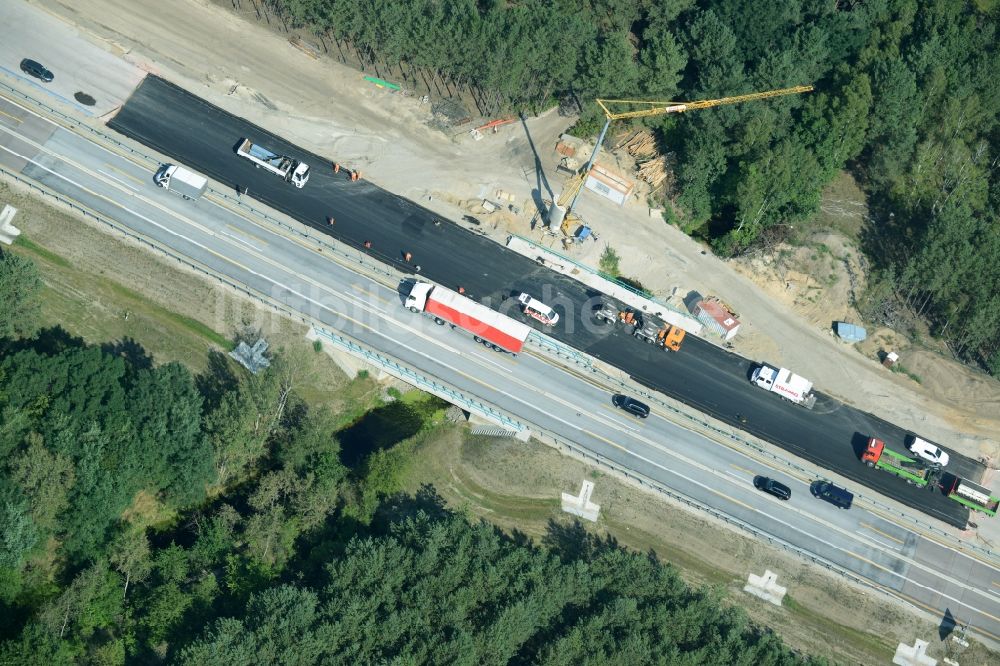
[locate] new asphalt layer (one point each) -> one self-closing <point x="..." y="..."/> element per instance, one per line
<point x="203" y="137"/>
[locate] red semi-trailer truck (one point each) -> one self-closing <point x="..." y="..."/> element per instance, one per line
<point x="488" y="326"/>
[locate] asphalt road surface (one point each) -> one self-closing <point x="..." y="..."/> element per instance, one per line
<point x="204" y="137"/>
<point x="924" y="572"/>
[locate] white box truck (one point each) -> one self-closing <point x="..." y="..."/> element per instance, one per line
<point x="785" y="383"/>
<point x="179" y="180"/>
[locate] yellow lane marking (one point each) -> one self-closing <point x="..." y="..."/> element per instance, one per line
<point x="878" y="531"/>
<point x="246" y="233"/>
<point x="735" y="501"/>
<point x="123" y="174"/>
<point x="743" y="469"/>
<point x="872" y="562"/>
<point x="14" y="118"/>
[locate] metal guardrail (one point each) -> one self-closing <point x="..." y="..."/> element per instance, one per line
<point x="446" y="391"/>
<point x="352" y="256"/>
<point x="618" y="283"/>
<point x="391" y="365"/>
<point x="539" y="340"/>
<point x="700" y="422"/>
<point x="558" y="349"/>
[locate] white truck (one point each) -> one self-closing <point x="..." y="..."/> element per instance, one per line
<point x="290" y="170"/>
<point x="785" y="383"/>
<point x="179" y="180"/>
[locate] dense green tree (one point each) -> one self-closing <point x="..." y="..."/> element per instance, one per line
<point x="131" y="556"/>
<point x="20" y="288"/>
<point x="45" y="479"/>
<point x="443" y="591"/>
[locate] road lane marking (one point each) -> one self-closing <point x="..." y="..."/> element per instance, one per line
<point x="124" y="174"/>
<point x="14" y="118"/>
<point x="232" y="262"/>
<point x="240" y="240"/>
<point x="744" y="469"/>
<point x="246" y="233"/>
<point x="878" y="531"/>
<point x="921" y="585"/>
<point x="119" y="180"/>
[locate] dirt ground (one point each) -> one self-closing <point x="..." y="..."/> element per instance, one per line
<point x="517" y="486"/>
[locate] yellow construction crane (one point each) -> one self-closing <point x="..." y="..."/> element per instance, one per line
<point x="652" y="109"/>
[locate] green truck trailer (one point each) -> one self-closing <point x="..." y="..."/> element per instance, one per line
<point x="974" y="496"/>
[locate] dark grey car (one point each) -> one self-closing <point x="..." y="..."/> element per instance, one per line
<point x="631" y="405"/>
<point x="839" y="497"/>
<point x="37" y="70"/>
<point x="772" y="487"/>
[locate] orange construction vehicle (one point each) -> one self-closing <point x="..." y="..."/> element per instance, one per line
<point x="664" y="335"/>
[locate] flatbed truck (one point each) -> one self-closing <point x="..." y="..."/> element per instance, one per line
<point x="879" y="456"/>
<point x="289" y="169"/>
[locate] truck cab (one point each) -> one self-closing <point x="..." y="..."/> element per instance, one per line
<point x="873" y="451"/>
<point x="672" y="338"/>
<point x="300" y="176"/>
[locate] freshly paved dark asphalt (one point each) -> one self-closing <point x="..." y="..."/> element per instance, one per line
<point x="204" y="137"/>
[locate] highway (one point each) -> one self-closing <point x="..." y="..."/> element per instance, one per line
<point x="201" y="136"/>
<point x="289" y="269"/>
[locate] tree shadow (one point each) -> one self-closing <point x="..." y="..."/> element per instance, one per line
<point x="572" y="542"/>
<point x="130" y="350"/>
<point x="217" y="380"/>
<point x="48" y="341"/>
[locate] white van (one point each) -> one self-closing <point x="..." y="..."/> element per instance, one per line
<point x="538" y="310"/>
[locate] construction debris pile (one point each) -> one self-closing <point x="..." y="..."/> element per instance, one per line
<point x="653" y="167"/>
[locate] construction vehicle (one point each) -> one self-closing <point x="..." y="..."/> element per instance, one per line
<point x="914" y="471"/>
<point x="289" y="169"/>
<point x="487" y="326"/>
<point x="785" y="383"/>
<point x="664" y="335"/>
<point x="181" y="181"/>
<point x="612" y="314"/>
<point x="974" y="496"/>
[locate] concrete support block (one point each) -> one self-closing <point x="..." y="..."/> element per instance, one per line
<point x="8" y="232"/>
<point x="766" y="587"/>
<point x="914" y="655"/>
<point x="580" y="505"/>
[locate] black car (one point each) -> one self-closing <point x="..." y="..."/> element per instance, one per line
<point x="36" y="69"/>
<point x="779" y="490"/>
<point x="631" y="405"/>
